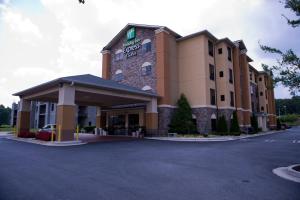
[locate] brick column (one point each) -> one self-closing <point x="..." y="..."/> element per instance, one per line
<point x="99" y="118"/>
<point x="152" y="117"/>
<point x="106" y="62"/>
<point x="246" y="100"/>
<point x="23" y="116"/>
<point x="237" y="84"/>
<point x="65" y="115"/>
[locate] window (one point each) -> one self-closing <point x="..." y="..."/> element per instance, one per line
<point x="222" y="97"/>
<point x="211" y="72"/>
<point x="118" y="55"/>
<point x="52" y="107"/>
<point x="210" y="48"/>
<point x="212" y="97"/>
<point x="231" y="99"/>
<point x="119" y="75"/>
<point x="221" y="74"/>
<point x="251" y="76"/>
<point x="251" y="89"/>
<point x="230" y="76"/>
<point x="146" y="45"/>
<point x="220" y="51"/>
<point x="229" y="53"/>
<point x="262" y="108"/>
<point x="261" y="93"/>
<point x="146" y="69"/>
<point x="260" y="79"/>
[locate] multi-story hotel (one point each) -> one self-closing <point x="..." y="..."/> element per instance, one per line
<point x="146" y="68"/>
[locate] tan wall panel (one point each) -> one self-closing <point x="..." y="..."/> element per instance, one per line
<point x="151" y="121"/>
<point x="23" y="121"/>
<point x="237" y="80"/>
<point x="65" y="119"/>
<point x="106" y="59"/>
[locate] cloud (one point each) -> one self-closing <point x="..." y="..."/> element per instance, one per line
<point x="65" y="37"/>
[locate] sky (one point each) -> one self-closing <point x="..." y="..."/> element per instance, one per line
<point x="41" y="40"/>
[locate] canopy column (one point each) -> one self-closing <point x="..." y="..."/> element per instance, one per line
<point x="152" y="117"/>
<point x="23" y="116"/>
<point x="65" y="115"/>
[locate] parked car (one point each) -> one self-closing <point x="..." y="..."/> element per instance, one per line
<point x="285" y="126"/>
<point x="48" y="128"/>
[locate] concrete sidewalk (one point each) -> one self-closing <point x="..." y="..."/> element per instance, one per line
<point x="211" y="139"/>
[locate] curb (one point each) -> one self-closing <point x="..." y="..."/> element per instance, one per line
<point x="288" y="173"/>
<point x="217" y="139"/>
<point x="45" y="143"/>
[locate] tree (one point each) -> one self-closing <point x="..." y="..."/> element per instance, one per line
<point x="182" y="121"/>
<point x="4" y="115"/>
<point x="222" y="125"/>
<point x="234" y="126"/>
<point x="287" y="70"/>
<point x="254" y="123"/>
<point x="288" y="106"/>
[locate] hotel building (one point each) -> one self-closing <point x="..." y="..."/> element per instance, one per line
<point x="146" y="68"/>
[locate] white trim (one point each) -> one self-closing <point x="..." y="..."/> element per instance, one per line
<point x="146" y="64"/>
<point x="118" y="51"/>
<point x="145" y="41"/>
<point x="119" y="71"/>
<point x="146" y="88"/>
<point x="227" y="107"/>
<point x="272" y="115"/>
<point x="105" y="51"/>
<point x="204" y="106"/>
<point x="161" y="30"/>
<point x="247" y="125"/>
<point x="241" y="109"/>
<point x="166" y="106"/>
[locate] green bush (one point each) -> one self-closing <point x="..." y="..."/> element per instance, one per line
<point x="254" y="123"/>
<point x="222" y="128"/>
<point x="234" y="126"/>
<point x="89" y="129"/>
<point x="289" y="118"/>
<point x="182" y="121"/>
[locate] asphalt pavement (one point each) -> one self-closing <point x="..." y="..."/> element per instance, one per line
<point x="149" y="169"/>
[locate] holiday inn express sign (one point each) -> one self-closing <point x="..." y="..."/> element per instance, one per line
<point x="132" y="45"/>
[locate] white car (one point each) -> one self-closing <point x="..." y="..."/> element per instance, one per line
<point x="48" y="128"/>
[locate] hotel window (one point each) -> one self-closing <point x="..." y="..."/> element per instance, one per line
<point x="222" y="97"/>
<point x="220" y="51"/>
<point x="146" y="69"/>
<point x="211" y="72"/>
<point x="260" y="79"/>
<point x="262" y="108"/>
<point x="230" y="76"/>
<point x="119" y="75"/>
<point x="231" y="99"/>
<point x="229" y="53"/>
<point x="210" y="48"/>
<point x="118" y="55"/>
<point x="212" y="97"/>
<point x="52" y="107"/>
<point x="221" y="73"/>
<point x="146" y="45"/>
<point x="261" y="93"/>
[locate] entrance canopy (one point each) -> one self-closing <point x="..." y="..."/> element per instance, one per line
<point x="89" y="90"/>
<point x="85" y="90"/>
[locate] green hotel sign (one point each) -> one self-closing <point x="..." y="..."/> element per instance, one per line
<point x="131" y="33"/>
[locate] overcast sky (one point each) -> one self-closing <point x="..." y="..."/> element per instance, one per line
<point x="45" y="39"/>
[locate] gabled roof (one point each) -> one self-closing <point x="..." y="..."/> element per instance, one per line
<point x="87" y="80"/>
<point x="240" y="44"/>
<point x="123" y="31"/>
<point x="204" y="32"/>
<point x="228" y="41"/>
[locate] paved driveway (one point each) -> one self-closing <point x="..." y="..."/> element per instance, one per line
<point x="151" y="170"/>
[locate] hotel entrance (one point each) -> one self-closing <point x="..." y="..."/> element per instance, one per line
<point x="124" y="122"/>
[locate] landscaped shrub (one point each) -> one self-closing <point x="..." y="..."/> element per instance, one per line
<point x="45" y="136"/>
<point x="26" y="134"/>
<point x="182" y="121"/>
<point x="234" y="126"/>
<point x="278" y="124"/>
<point x="222" y="128"/>
<point x="288" y="118"/>
<point x="254" y="123"/>
<point x="89" y="129"/>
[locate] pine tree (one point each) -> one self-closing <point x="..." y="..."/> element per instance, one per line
<point x="222" y="126"/>
<point x="182" y="121"/>
<point x="234" y="126"/>
<point x="254" y="123"/>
